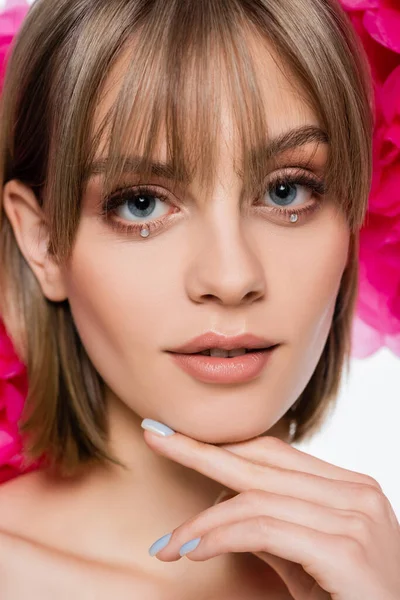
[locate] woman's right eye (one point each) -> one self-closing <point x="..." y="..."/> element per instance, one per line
<point x="139" y="205"/>
<point x="127" y="210"/>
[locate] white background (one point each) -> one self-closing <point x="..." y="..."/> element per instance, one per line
<point x="362" y="433"/>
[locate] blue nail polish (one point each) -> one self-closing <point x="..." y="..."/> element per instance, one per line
<point x="159" y="544"/>
<point x="156" y="427"/>
<point x="189" y="546"/>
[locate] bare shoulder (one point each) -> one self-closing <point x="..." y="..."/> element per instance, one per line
<point x="16" y="495"/>
<point x="31" y="569"/>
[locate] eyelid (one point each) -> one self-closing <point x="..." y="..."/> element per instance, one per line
<point x="121" y="195"/>
<point x="299" y="176"/>
<point x="294" y="175"/>
<point x="124" y="193"/>
<point x="292" y="171"/>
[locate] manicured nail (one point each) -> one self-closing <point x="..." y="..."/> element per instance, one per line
<point x="189" y="546"/>
<point x="159" y="544"/>
<point x="156" y="427"/>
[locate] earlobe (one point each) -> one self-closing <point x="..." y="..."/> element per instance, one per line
<point x="30" y="230"/>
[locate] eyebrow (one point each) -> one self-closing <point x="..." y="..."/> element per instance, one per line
<point x="294" y="138"/>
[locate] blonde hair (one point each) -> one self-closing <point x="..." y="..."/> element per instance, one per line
<point x="55" y="77"/>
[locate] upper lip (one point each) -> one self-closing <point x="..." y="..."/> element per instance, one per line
<point x="215" y="340"/>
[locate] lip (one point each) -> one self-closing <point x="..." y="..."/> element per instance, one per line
<point x="215" y="340"/>
<point x="217" y="370"/>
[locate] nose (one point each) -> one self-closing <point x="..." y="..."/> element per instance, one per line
<point x="225" y="269"/>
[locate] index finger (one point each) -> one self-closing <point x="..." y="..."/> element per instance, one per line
<point x="240" y="474"/>
<point x="218" y="464"/>
<point x="272" y="451"/>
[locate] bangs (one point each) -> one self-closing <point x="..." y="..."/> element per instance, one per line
<point x="172" y="91"/>
<point x="182" y="58"/>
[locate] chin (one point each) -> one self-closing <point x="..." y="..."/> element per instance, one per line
<point x="227" y="434"/>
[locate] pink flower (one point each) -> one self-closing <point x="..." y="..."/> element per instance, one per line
<point x="13" y="377"/>
<point x="378" y="317"/>
<point x="13" y="392"/>
<point x="10" y="21"/>
<point x="367" y="340"/>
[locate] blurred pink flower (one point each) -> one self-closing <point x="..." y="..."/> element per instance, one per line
<point x="10" y="21"/>
<point x="378" y="312"/>
<point x="13" y="379"/>
<point x="13" y="391"/>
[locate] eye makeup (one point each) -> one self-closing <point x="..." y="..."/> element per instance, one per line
<point x="125" y="195"/>
<point x="287" y="213"/>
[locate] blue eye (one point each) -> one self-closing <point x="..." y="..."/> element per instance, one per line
<point x="284" y="194"/>
<point x="142" y="206"/>
<point x="139" y="205"/>
<point x="293" y="190"/>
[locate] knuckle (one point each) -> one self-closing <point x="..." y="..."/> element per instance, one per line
<point x="359" y="527"/>
<point x="263" y="525"/>
<point x="371" y="500"/>
<point x="370" y="481"/>
<point x="349" y="549"/>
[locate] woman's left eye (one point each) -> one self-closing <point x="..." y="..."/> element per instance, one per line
<point x="292" y="191"/>
<point x="287" y="194"/>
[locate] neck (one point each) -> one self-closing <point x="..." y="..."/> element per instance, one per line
<point x="126" y="510"/>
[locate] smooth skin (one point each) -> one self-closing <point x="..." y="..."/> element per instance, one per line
<point x="327" y="531"/>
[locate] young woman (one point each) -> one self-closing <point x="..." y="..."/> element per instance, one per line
<point x="183" y="183"/>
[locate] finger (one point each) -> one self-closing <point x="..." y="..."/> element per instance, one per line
<point x="267" y="450"/>
<point x="299" y="583"/>
<point x="240" y="474"/>
<point x="326" y="558"/>
<point x="252" y="504"/>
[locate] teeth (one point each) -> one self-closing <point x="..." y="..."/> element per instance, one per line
<point x="218" y="352"/>
<point x="237" y="352"/>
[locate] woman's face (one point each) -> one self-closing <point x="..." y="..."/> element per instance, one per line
<point x="217" y="264"/>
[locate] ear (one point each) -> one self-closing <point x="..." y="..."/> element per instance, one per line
<point x="31" y="233"/>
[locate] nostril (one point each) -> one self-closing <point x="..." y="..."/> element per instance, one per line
<point x="252" y="296"/>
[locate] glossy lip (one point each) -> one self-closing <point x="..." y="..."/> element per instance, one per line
<point x="215" y="340"/>
<point x="220" y="370"/>
<point x="213" y="369"/>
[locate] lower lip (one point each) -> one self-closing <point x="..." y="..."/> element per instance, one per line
<point x="212" y="369"/>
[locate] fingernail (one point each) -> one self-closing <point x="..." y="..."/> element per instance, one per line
<point x="156" y="427"/>
<point x="159" y="544"/>
<point x="189" y="546"/>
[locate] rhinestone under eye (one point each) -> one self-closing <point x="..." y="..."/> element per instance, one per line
<point x="145" y="232"/>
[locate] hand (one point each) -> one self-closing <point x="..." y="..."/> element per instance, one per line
<point x="328" y="532"/>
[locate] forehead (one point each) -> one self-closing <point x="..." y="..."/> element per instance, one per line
<point x="286" y="103"/>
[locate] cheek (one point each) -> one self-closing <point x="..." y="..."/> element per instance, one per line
<point x="316" y="274"/>
<point x="306" y="286"/>
<point x="120" y="294"/>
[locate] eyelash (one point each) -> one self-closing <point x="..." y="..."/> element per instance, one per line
<point x="120" y="196"/>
